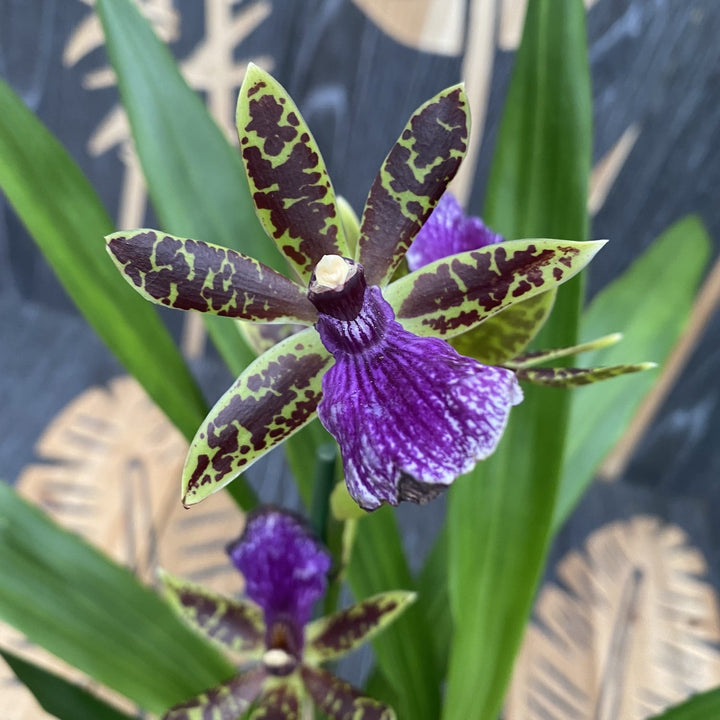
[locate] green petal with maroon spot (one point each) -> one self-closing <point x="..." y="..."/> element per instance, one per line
<point x="338" y="634"/>
<point x="541" y="356"/>
<point x="234" y="624"/>
<point x="502" y="336"/>
<point x="291" y="189"/>
<point x="281" y="700"/>
<point x="273" y="398"/>
<point x="453" y="295"/>
<point x="227" y="701"/>
<point x="340" y="700"/>
<point x="411" y="180"/>
<point x="193" y="275"/>
<point x="575" y="377"/>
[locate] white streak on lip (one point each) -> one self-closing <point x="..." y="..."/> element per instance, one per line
<point x="332" y="272"/>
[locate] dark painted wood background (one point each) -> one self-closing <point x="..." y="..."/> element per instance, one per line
<point x="655" y="66"/>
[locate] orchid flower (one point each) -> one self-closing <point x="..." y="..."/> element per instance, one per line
<point x="285" y="571"/>
<point x="409" y="413"/>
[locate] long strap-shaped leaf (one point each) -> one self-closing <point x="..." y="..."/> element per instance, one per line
<point x="455" y="294"/>
<point x="68" y="224"/>
<point x="191" y="275"/>
<point x="273" y="398"/>
<point x="499" y="515"/>
<point x="71" y="600"/>
<point x="289" y="182"/>
<point x="411" y="180"/>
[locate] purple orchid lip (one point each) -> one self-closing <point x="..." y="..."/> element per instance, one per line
<point x="285" y="570"/>
<point x="410" y="414"/>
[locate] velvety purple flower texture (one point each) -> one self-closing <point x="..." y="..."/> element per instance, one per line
<point x="410" y="414"/>
<point x="448" y="231"/>
<point x="285" y="569"/>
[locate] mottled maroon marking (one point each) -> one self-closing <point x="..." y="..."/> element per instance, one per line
<point x="240" y="287"/>
<point x="297" y="178"/>
<point x="386" y="230"/>
<point x="557" y="274"/>
<point x="338" y="698"/>
<point x="279" y="703"/>
<point x="235" y="626"/>
<point x="486" y="287"/>
<point x="346" y="627"/>
<point x="287" y="382"/>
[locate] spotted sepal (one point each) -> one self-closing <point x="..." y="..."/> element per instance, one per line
<point x="541" y="356"/>
<point x="411" y="180"/>
<point x="340" y="700"/>
<point x="342" y="632"/>
<point x="506" y="334"/>
<point x="575" y="377"/>
<point x="274" y="397"/>
<point x="227" y="701"/>
<point x="290" y="186"/>
<point x="234" y="624"/>
<point x="282" y="699"/>
<point x="193" y="275"/>
<point x="453" y="295"/>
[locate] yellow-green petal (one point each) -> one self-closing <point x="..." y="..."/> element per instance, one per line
<point x="289" y="182"/>
<point x="455" y="294"/>
<point x="272" y="399"/>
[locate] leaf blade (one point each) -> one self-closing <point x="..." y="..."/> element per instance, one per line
<point x="67" y="225"/>
<point x="499" y="515"/>
<point x="57" y="696"/>
<point x="66" y="603"/>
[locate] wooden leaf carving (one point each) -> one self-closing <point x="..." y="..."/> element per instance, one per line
<point x="629" y="632"/>
<point x="110" y="470"/>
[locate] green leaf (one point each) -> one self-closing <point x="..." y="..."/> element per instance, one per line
<point x="340" y="700"/>
<point x="411" y="180"/>
<point x="57" y="696"/>
<point x="575" y="377"/>
<point x="68" y="224"/>
<point x="234" y="624"/>
<point x="191" y="275"/>
<point x="342" y="632"/>
<point x="505" y="335"/>
<point x="298" y="448"/>
<point x="454" y="295"/>
<point x="499" y="515"/>
<point x="288" y="179"/>
<point x="404" y="651"/>
<point x="68" y="598"/>
<point x="660" y="288"/>
<point x="273" y="398"/>
<point x="195" y="177"/>
<point x="700" y="707"/>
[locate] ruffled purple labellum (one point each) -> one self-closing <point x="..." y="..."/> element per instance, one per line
<point x="285" y="570"/>
<point x="447" y="232"/>
<point x="410" y="414"/>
